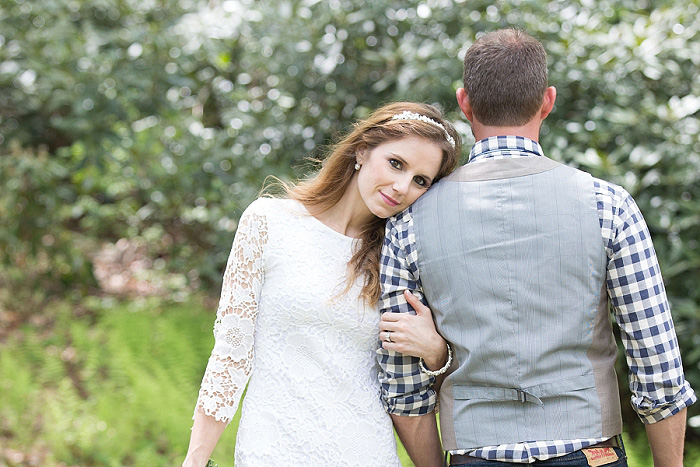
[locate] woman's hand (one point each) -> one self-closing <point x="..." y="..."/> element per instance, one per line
<point x="414" y="334"/>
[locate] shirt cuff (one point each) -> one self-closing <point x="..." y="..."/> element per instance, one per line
<point x="652" y="414"/>
<point x="411" y="405"/>
<point x="405" y="389"/>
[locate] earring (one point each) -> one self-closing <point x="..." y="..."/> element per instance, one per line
<point x="357" y="166"/>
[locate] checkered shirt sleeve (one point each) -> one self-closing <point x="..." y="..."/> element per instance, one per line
<point x="406" y="390"/>
<point x="641" y="308"/>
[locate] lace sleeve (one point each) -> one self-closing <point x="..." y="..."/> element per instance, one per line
<point x="230" y="363"/>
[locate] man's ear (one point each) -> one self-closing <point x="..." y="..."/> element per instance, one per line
<point x="464" y="104"/>
<point x="550" y="95"/>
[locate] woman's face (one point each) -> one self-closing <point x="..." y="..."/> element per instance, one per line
<point x="394" y="174"/>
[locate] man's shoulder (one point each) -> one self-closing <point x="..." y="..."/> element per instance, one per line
<point x="609" y="192"/>
<point x="434" y="193"/>
<point x="404" y="219"/>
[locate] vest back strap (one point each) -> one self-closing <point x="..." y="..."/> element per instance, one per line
<point x="533" y="394"/>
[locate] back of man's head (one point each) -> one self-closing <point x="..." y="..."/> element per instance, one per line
<point x="505" y="77"/>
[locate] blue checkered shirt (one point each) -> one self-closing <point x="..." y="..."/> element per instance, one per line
<point x="636" y="292"/>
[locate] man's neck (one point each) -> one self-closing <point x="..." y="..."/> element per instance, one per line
<point x="531" y="130"/>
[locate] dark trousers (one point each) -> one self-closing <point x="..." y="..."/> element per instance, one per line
<point x="575" y="459"/>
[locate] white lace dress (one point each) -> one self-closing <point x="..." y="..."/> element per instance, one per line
<point x="309" y="350"/>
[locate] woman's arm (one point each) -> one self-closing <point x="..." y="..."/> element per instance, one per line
<point x="206" y="432"/>
<point x="230" y="363"/>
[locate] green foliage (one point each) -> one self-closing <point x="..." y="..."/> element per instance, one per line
<point x="114" y="388"/>
<point x="158" y="121"/>
<point x="42" y="250"/>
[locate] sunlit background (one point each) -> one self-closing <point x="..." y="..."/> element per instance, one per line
<point x="134" y="132"/>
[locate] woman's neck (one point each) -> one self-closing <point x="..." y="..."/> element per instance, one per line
<point x="349" y="215"/>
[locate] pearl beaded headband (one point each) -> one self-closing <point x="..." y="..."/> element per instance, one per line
<point x="408" y="115"/>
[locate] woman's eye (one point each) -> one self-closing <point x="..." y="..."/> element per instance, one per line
<point x="395" y="163"/>
<point x="420" y="181"/>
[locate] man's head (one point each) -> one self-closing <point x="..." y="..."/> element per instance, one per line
<point x="505" y="78"/>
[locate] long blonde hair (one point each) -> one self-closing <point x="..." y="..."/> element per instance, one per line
<point x="322" y="191"/>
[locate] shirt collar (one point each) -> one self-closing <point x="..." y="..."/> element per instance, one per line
<point x="499" y="147"/>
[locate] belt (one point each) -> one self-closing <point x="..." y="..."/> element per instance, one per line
<point x="458" y="459"/>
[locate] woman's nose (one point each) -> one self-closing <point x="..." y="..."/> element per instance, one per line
<point x="401" y="184"/>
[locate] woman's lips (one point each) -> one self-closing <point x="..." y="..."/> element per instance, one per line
<point x="389" y="200"/>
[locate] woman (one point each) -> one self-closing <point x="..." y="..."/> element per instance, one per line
<point x="298" y="302"/>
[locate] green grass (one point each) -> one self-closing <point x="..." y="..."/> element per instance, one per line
<point x="117" y="387"/>
<point x="112" y="390"/>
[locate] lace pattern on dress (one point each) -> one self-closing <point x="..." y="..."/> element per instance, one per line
<point x="230" y="363"/>
<point x="313" y="394"/>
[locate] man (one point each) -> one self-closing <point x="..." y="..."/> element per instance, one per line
<point x="520" y="258"/>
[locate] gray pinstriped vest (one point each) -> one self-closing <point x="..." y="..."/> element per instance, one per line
<point x="513" y="266"/>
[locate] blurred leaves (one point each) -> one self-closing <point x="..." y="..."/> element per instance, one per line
<point x="97" y="393"/>
<point x="158" y="121"/>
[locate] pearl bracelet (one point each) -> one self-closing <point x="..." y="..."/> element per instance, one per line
<point x="441" y="370"/>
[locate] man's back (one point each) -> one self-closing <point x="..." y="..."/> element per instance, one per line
<point x="513" y="265"/>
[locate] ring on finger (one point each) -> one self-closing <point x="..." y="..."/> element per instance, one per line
<point x="387" y="336"/>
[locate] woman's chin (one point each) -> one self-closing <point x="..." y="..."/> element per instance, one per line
<point x="386" y="213"/>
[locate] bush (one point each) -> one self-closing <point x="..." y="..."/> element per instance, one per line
<point x="157" y="122"/>
<point x="94" y="392"/>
